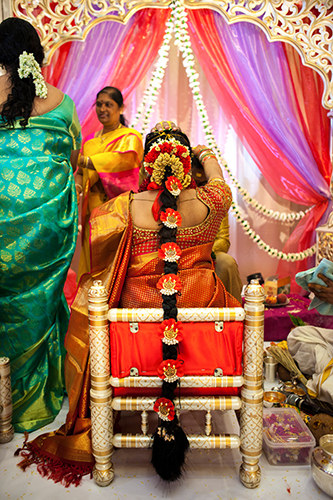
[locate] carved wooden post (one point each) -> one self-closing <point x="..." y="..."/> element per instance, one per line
<point x="6" y="407"/>
<point x="252" y="390"/>
<point x="100" y="392"/>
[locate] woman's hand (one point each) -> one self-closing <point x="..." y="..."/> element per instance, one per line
<point x="324" y="293"/>
<point x="209" y="162"/>
<point x="85" y="162"/>
<point x="165" y="125"/>
<point x="203" y="153"/>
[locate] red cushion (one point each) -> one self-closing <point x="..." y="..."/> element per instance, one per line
<point x="202" y="349"/>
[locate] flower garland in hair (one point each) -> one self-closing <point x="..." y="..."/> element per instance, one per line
<point x="168" y="151"/>
<point x="168" y="163"/>
<point x="29" y="66"/>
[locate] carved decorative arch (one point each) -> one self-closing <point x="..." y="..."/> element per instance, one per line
<point x="307" y="24"/>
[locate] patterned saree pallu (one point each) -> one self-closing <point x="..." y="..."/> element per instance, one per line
<point x="205" y="348"/>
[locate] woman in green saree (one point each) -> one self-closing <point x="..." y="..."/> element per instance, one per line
<point x="40" y="137"/>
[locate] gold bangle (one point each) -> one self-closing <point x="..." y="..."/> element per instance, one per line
<point x="79" y="187"/>
<point x="86" y="162"/>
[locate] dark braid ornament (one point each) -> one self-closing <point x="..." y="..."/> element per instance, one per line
<point x="168" y="162"/>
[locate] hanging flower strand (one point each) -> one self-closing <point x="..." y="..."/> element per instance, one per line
<point x="273" y="252"/>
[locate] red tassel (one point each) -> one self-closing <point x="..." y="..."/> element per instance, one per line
<point x="51" y="468"/>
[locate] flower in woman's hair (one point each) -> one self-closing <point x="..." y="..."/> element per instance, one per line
<point x="170" y="252"/>
<point x="171" y="218"/>
<point x="165" y="409"/>
<point x="29" y="66"/>
<point x="169" y="370"/>
<point x="173" y="185"/>
<point x="169" y="284"/>
<point x="170" y="331"/>
<point x="166" y="147"/>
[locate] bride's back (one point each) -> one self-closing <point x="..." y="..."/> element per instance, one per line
<point x="191" y="209"/>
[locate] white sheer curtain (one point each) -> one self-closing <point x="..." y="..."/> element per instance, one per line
<point x="176" y="103"/>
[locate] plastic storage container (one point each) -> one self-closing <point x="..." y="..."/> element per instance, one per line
<point x="286" y="438"/>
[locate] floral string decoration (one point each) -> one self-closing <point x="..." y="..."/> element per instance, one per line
<point x="164" y="408"/>
<point x="169" y="152"/>
<point x="29" y="66"/>
<point x="170" y="370"/>
<point x="169" y="284"/>
<point x="171" y="218"/>
<point x="170" y="331"/>
<point x="170" y="252"/>
<point x="174" y="185"/>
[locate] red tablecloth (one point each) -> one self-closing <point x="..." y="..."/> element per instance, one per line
<point x="278" y="323"/>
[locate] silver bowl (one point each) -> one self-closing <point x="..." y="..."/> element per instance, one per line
<point x="322" y="464"/>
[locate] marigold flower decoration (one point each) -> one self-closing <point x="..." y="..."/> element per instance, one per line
<point x="169" y="284"/>
<point x="165" y="409"/>
<point x="168" y="152"/>
<point x="170" y="331"/>
<point x="169" y="252"/>
<point x="169" y="370"/>
<point x="171" y="218"/>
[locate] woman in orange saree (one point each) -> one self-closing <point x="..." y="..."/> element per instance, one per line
<point x="125" y="235"/>
<point x="109" y="164"/>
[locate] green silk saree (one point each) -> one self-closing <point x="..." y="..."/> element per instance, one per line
<point x="38" y="229"/>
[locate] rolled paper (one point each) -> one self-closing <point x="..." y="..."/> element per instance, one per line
<point x="6" y="407"/>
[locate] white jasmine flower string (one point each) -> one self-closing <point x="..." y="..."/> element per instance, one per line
<point x="29" y="66"/>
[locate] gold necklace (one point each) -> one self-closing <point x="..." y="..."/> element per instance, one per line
<point x="100" y="133"/>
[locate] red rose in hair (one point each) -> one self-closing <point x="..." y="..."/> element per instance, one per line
<point x="170" y="252"/>
<point x="165" y="409"/>
<point x="170" y="331"/>
<point x="169" y="284"/>
<point x="169" y="370"/>
<point x="166" y="147"/>
<point x="171" y="218"/>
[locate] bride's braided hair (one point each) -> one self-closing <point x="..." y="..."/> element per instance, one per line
<point x="168" y="161"/>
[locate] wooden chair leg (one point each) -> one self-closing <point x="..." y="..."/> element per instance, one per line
<point x="252" y="390"/>
<point x="100" y="392"/>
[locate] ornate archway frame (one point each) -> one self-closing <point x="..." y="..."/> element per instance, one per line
<point x="307" y="24"/>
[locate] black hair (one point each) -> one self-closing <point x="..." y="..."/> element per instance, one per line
<point x="168" y="455"/>
<point x="17" y="36"/>
<point x="116" y="96"/>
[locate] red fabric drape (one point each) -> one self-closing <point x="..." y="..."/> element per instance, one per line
<point x="308" y="91"/>
<point x="270" y="159"/>
<point x="52" y="71"/>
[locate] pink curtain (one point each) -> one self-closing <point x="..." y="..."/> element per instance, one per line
<point x="134" y="58"/>
<point x="112" y="54"/>
<point x="250" y="77"/>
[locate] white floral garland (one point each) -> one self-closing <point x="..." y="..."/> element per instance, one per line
<point x="29" y="66"/>
<point x="178" y="24"/>
<point x="273" y="252"/>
